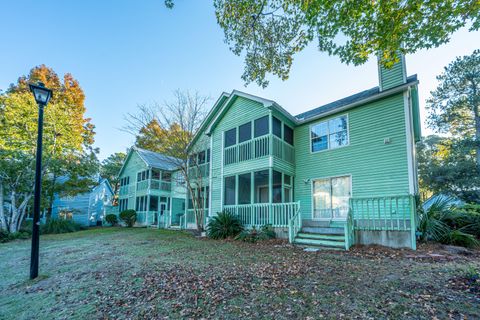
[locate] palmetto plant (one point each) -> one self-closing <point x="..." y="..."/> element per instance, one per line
<point x="224" y="225"/>
<point x="444" y="223"/>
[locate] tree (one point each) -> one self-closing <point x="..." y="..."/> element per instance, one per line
<point x="169" y="129"/>
<point x="447" y="165"/>
<point x="110" y="168"/>
<point x="270" y="32"/>
<point x="67" y="143"/>
<point x="454" y="106"/>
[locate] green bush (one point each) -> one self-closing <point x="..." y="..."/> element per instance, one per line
<point x="447" y="224"/>
<point x="111" y="219"/>
<point x="53" y="226"/>
<point x="27" y="226"/>
<point x="128" y="217"/>
<point x="224" y="225"/>
<point x="253" y="235"/>
<point x="6" y="236"/>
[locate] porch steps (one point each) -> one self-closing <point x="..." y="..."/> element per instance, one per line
<point x="319" y="236"/>
<point x="322" y="235"/>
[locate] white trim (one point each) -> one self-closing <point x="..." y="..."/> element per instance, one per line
<point x="222" y="150"/>
<point x="409" y="142"/>
<point x="311" y="195"/>
<point x="379" y="70"/>
<point x="328" y="134"/>
<point x="210" y="178"/>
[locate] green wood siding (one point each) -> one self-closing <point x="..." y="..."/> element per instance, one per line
<point x="133" y="165"/>
<point x="392" y="77"/>
<point x="241" y="111"/>
<point x="376" y="168"/>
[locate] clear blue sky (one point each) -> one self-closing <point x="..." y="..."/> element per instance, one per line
<point x="127" y="52"/>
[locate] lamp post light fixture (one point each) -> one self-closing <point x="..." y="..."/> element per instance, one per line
<point x="42" y="96"/>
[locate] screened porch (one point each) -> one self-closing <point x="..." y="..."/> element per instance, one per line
<point x="258" y="198"/>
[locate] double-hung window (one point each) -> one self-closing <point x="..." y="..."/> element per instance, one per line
<point x="329" y="134"/>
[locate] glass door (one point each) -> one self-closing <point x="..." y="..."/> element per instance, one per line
<point x="330" y="198"/>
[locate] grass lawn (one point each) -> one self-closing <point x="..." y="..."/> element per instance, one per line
<point x="115" y="273"/>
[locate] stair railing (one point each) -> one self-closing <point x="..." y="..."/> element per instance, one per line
<point x="348" y="229"/>
<point x="294" y="225"/>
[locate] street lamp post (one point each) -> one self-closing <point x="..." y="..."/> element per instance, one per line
<point x="42" y="96"/>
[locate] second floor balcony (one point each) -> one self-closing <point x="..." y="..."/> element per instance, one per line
<point x="154" y="184"/>
<point x="268" y="145"/>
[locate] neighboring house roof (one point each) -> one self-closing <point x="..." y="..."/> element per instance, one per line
<point x="358" y="97"/>
<point x="158" y="160"/>
<point x="107" y="183"/>
<point x="153" y="159"/>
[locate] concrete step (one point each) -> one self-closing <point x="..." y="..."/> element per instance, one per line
<point x="319" y="243"/>
<point x="323" y="230"/>
<point x="335" y="237"/>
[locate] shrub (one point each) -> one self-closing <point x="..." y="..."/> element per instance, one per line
<point x="111" y="219"/>
<point x="460" y="238"/>
<point x="128" y="217"/>
<point x="6" y="236"/>
<point x="27" y="226"/>
<point x="444" y="223"/>
<point x="224" y="225"/>
<point x="253" y="235"/>
<point x="53" y="226"/>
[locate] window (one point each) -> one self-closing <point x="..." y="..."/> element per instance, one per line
<point x="261" y="127"/>
<point x="229" y="191"/>
<point x="141" y="204"/>
<point x="155" y="174"/>
<point x="245" y="132"/>
<point x="277" y="127"/>
<point x="153" y="203"/>
<point x="277" y="187"/>
<point x="201" y="157"/>
<point x="166" y="176"/>
<point x="261" y="180"/>
<point x="329" y="134"/>
<point x="288" y="134"/>
<point x="245" y="188"/>
<point x="230" y="137"/>
<point x="122" y="205"/>
<point x="330" y="197"/>
<point x="207" y="195"/>
<point x="208" y="155"/>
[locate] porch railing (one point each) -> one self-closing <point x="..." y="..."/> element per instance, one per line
<point x="294" y="225"/>
<point x="146" y="217"/>
<point x="391" y="213"/>
<point x="260" y="214"/>
<point x="257" y="148"/>
<point x="201" y="170"/>
<point x="190" y="218"/>
<point x="164" y="220"/>
<point x="160" y="185"/>
<point x="283" y="150"/>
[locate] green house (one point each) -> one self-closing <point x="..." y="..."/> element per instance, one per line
<point x="340" y="174"/>
<point x="150" y="185"/>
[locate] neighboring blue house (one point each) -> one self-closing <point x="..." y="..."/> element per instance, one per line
<point x="88" y="209"/>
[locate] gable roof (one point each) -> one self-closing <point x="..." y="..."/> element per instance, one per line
<point x="152" y="159"/>
<point x="357" y="97"/>
<point x="354" y="100"/>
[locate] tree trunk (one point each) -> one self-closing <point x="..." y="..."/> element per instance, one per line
<point x="477" y="138"/>
<point x="51" y="197"/>
<point x="3" y="221"/>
